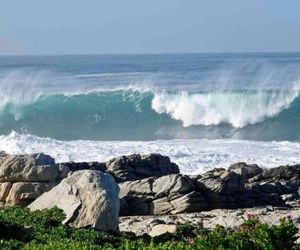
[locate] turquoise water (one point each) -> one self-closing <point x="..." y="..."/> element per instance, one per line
<point x="151" y="97"/>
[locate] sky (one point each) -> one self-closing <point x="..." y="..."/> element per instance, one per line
<point x="148" y="26"/>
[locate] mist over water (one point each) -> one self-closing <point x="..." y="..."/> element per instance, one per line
<point x="153" y="98"/>
<point x="243" y="96"/>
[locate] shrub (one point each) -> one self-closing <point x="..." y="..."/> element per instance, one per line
<point x="22" y="229"/>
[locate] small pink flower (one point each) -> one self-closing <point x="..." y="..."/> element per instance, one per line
<point x="190" y="240"/>
<point x="250" y="216"/>
<point x="289" y="217"/>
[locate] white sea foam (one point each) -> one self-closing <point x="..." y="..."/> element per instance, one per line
<point x="192" y="156"/>
<point x="238" y="108"/>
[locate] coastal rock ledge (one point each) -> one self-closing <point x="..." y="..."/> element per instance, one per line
<point x="138" y="185"/>
<point x="238" y="186"/>
<point x="23" y="178"/>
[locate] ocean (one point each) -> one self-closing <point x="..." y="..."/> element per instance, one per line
<point x="202" y="110"/>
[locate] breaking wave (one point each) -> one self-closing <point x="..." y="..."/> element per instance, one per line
<point x="133" y="115"/>
<point x="237" y="108"/>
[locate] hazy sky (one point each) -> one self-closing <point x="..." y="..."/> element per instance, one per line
<point x="148" y="26"/>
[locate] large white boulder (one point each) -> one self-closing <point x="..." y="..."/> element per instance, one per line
<point x="89" y="198"/>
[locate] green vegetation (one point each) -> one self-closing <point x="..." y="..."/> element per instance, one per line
<point x="21" y="229"/>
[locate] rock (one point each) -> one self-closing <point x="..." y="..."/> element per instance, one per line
<point x="136" y="167"/>
<point x="228" y="218"/>
<point x="272" y="186"/>
<point x="23" y="193"/>
<point x="161" y="195"/>
<point x="172" y="184"/>
<point x="245" y="170"/>
<point x="28" y="168"/>
<point x="75" y="166"/>
<point x="3" y="154"/>
<point x="221" y="188"/>
<point x="89" y="198"/>
<point x="151" y="184"/>
<point x="162" y="229"/>
<point x="23" y="178"/>
<point x="240" y="186"/>
<point x="140" y="225"/>
<point x="4" y="190"/>
<point x="243" y="185"/>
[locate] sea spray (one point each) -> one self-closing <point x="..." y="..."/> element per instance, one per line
<point x="237" y="108"/>
<point x="202" y="110"/>
<point x="135" y="115"/>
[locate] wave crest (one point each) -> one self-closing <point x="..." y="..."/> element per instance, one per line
<point x="238" y="108"/>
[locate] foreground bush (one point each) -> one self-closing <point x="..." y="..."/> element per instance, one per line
<point x="21" y="229"/>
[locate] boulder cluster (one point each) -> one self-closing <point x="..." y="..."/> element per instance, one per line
<point x="239" y="186"/>
<point x="94" y="194"/>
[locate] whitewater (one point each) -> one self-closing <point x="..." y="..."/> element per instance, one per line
<point x="193" y="156"/>
<point x="202" y="110"/>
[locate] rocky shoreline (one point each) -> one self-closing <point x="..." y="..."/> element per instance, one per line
<point x="148" y="192"/>
<point x="229" y="218"/>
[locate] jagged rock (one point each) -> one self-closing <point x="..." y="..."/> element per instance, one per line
<point x="243" y="185"/>
<point x="89" y="198"/>
<point x="221" y="188"/>
<point x="151" y="184"/>
<point x="245" y="170"/>
<point x="28" y="168"/>
<point x="239" y="186"/>
<point x="270" y="186"/>
<point x="136" y="167"/>
<point x="75" y="166"/>
<point x="41" y="168"/>
<point x="169" y="194"/>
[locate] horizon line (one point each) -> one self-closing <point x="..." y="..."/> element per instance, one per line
<point x="153" y="53"/>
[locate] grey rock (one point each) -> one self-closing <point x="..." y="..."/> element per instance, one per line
<point x="221" y="188"/>
<point x="245" y="170"/>
<point x="28" y="168"/>
<point x="207" y="219"/>
<point x="169" y="194"/>
<point x="136" y="167"/>
<point x="23" y="193"/>
<point x="162" y="229"/>
<point x="89" y="198"/>
<point x="4" y="190"/>
<point x="75" y="166"/>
